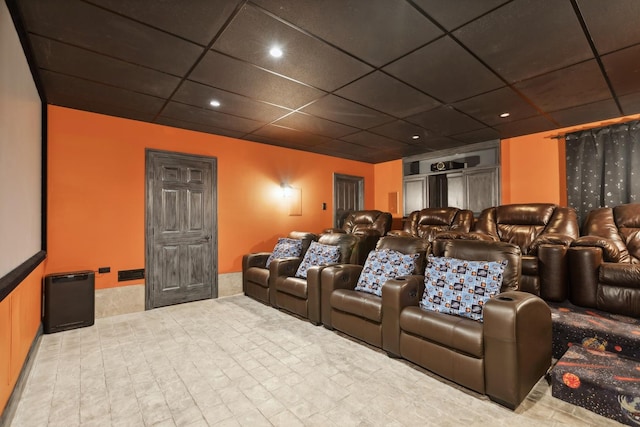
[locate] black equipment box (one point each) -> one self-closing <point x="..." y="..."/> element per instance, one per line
<point x="68" y="301"/>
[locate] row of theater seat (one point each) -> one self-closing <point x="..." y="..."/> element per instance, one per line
<point x="503" y="356"/>
<point x="598" y="268"/>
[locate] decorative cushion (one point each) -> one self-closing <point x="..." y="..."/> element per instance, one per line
<point x="382" y="265"/>
<point x="460" y="287"/>
<point x="317" y="254"/>
<point x="285" y="248"/>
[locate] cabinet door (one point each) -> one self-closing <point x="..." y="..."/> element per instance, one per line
<point x="482" y="189"/>
<point x="415" y="194"/>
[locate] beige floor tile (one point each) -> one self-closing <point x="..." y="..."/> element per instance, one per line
<point x="236" y="362"/>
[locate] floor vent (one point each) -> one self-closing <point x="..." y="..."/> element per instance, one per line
<point x="124" y="275"/>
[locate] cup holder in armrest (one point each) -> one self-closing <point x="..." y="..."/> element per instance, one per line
<point x="504" y="298"/>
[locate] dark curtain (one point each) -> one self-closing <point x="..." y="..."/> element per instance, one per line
<point x="603" y="167"/>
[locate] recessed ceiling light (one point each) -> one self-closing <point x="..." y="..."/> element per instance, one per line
<point x="214" y="103"/>
<point x="276" y="52"/>
<point x="504" y="115"/>
<point x="415" y="137"/>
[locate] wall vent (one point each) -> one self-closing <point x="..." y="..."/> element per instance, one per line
<point x="124" y="275"/>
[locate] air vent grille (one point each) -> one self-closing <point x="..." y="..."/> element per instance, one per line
<point x="124" y="275"/>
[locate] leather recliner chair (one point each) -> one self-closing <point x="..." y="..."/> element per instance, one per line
<point x="369" y="226"/>
<point x="358" y="313"/>
<point x="302" y="296"/>
<point x="257" y="278"/>
<point x="503" y="356"/>
<point x="605" y="262"/>
<point x="428" y="222"/>
<point x="544" y="232"/>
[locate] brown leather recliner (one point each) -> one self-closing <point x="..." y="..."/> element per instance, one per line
<point x="302" y="296"/>
<point x="369" y="226"/>
<point x="257" y="278"/>
<point x="358" y="313"/>
<point x="605" y="262"/>
<point x="428" y="222"/>
<point x="544" y="232"/>
<point x="503" y="356"/>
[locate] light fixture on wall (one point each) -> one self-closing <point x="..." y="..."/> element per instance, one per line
<point x="286" y="190"/>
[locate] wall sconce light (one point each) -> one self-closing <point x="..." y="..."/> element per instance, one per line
<point x="286" y="190"/>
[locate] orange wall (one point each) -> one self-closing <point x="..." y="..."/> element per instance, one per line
<point x="533" y="166"/>
<point x="19" y="323"/>
<point x="388" y="179"/>
<point x="96" y="191"/>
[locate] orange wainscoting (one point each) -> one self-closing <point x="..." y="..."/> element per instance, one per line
<point x="20" y="314"/>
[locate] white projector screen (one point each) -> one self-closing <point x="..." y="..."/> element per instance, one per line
<point x="20" y="152"/>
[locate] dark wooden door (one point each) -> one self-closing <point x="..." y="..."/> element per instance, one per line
<point x="348" y="195"/>
<point x="181" y="256"/>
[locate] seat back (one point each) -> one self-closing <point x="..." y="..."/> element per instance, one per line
<point x="358" y="221"/>
<point x="620" y="225"/>
<point x="306" y="238"/>
<point x="428" y="222"/>
<point x="407" y="245"/>
<point x="484" y="250"/>
<point x="345" y="242"/>
<point x="521" y="224"/>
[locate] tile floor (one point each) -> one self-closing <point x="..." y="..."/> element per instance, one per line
<point x="236" y="362"/>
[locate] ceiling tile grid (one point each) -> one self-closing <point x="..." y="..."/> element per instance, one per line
<point x="371" y="80"/>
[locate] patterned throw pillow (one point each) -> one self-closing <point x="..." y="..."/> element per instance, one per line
<point x="382" y="265"/>
<point x="460" y="287"/>
<point x="285" y="248"/>
<point x="317" y="254"/>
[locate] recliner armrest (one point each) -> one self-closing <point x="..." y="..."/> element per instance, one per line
<point x="517" y="345"/>
<point x="550" y="239"/>
<point x="341" y="276"/>
<point x="257" y="259"/>
<point x="397" y="294"/>
<point x="333" y="230"/>
<point x="610" y="251"/>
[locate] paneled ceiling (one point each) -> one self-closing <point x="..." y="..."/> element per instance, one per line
<point x="369" y="80"/>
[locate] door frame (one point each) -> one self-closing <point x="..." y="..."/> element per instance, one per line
<point x="359" y="180"/>
<point x="148" y="242"/>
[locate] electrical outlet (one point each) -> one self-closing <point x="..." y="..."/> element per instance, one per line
<point x="104" y="270"/>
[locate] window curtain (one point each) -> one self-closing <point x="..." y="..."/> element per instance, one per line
<point x="603" y="167"/>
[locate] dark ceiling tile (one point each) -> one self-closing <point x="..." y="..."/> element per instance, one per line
<point x="435" y="143"/>
<point x="105" y="32"/>
<point x="526" y="38"/>
<point x="199" y="22"/>
<point x="315" y="125"/>
<point x="96" y="106"/>
<point x="623" y="69"/>
<point x="384" y="29"/>
<point x="387" y="94"/>
<point x="524" y="127"/>
<point x="488" y="106"/>
<point x="200" y="95"/>
<point x="343" y="111"/>
<point x="209" y="117"/>
<point x="198" y="127"/>
<point x="402" y="131"/>
<point x="630" y="103"/>
<point x="596" y="111"/>
<point x="452" y="14"/>
<point x="74" y="61"/>
<point x="220" y="71"/>
<point x="305" y="59"/>
<point x="291" y="137"/>
<point x="444" y="70"/>
<point x="575" y="85"/>
<point x="339" y="146"/>
<point x="60" y="86"/>
<point x="612" y="24"/>
<point x="480" y="135"/>
<point x="370" y="140"/>
<point x="445" y="121"/>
